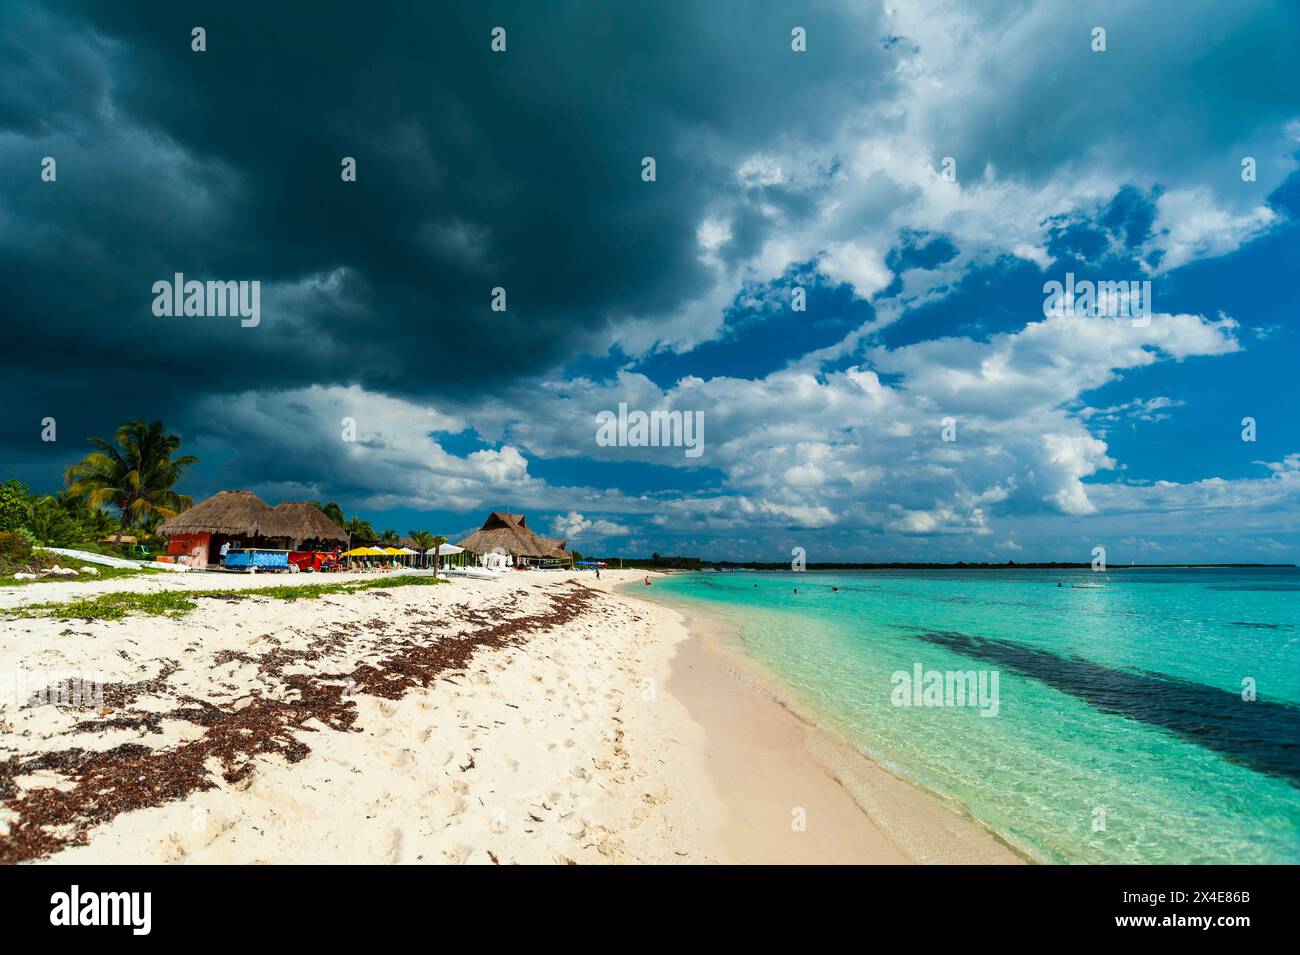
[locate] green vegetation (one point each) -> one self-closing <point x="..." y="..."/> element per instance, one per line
<point x="41" y="560"/>
<point x="15" y="497"/>
<point x="125" y="488"/>
<point x="137" y="476"/>
<point x="15" y="548"/>
<point x="333" y="512"/>
<point x="176" y="603"/>
<point x="359" y="530"/>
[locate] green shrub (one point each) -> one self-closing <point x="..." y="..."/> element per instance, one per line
<point x="14" y="499"/>
<point x="15" y="548"/>
<point x="51" y="524"/>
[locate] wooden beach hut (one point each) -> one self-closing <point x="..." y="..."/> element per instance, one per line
<point x="317" y="539"/>
<point x="238" y="518"/>
<point x="510" y="534"/>
<point x="312" y="529"/>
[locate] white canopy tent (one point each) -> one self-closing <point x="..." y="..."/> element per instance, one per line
<point x="443" y="552"/>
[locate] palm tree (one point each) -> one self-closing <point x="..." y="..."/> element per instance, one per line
<point x="389" y="536"/>
<point x="358" y="530"/>
<point x="423" y="540"/>
<point x="333" y="512"/>
<point x="51" y="524"/>
<point x="92" y="522"/>
<point x="136" y="476"/>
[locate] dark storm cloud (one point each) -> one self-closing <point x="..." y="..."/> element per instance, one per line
<point x="1183" y="96"/>
<point x="475" y="170"/>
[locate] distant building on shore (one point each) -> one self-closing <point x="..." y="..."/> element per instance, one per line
<point x="510" y="534"/>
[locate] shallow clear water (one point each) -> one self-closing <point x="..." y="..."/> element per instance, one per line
<point x="1120" y="732"/>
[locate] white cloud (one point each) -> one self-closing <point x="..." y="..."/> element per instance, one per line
<point x="1191" y="224"/>
<point x="984" y="85"/>
<point x="857" y="265"/>
<point x="573" y="526"/>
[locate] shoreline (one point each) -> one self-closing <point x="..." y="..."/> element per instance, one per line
<point x="918" y="826"/>
<point x="532" y="719"/>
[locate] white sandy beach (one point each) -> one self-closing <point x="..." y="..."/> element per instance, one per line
<point x="561" y="723"/>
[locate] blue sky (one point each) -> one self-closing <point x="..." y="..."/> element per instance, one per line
<point x="919" y="173"/>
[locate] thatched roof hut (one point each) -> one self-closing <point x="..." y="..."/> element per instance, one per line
<point x="510" y="534"/>
<point x="231" y="514"/>
<point x="311" y="524"/>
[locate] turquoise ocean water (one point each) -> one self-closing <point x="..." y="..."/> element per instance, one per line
<point x="1121" y="734"/>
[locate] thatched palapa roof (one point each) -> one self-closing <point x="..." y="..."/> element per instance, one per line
<point x="310" y="523"/>
<point x="233" y="514"/>
<point x="510" y="534"/>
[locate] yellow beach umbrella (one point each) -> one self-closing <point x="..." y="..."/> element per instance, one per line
<point x="365" y="552"/>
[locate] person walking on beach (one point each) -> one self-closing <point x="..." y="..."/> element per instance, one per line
<point x="647" y="581"/>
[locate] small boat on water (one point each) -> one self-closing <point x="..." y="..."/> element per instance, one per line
<point x="1088" y="586"/>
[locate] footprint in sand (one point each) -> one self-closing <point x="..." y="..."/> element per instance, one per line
<point x="398" y="758"/>
<point x="456" y="855"/>
<point x="392" y="850"/>
<point x="448" y="802"/>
